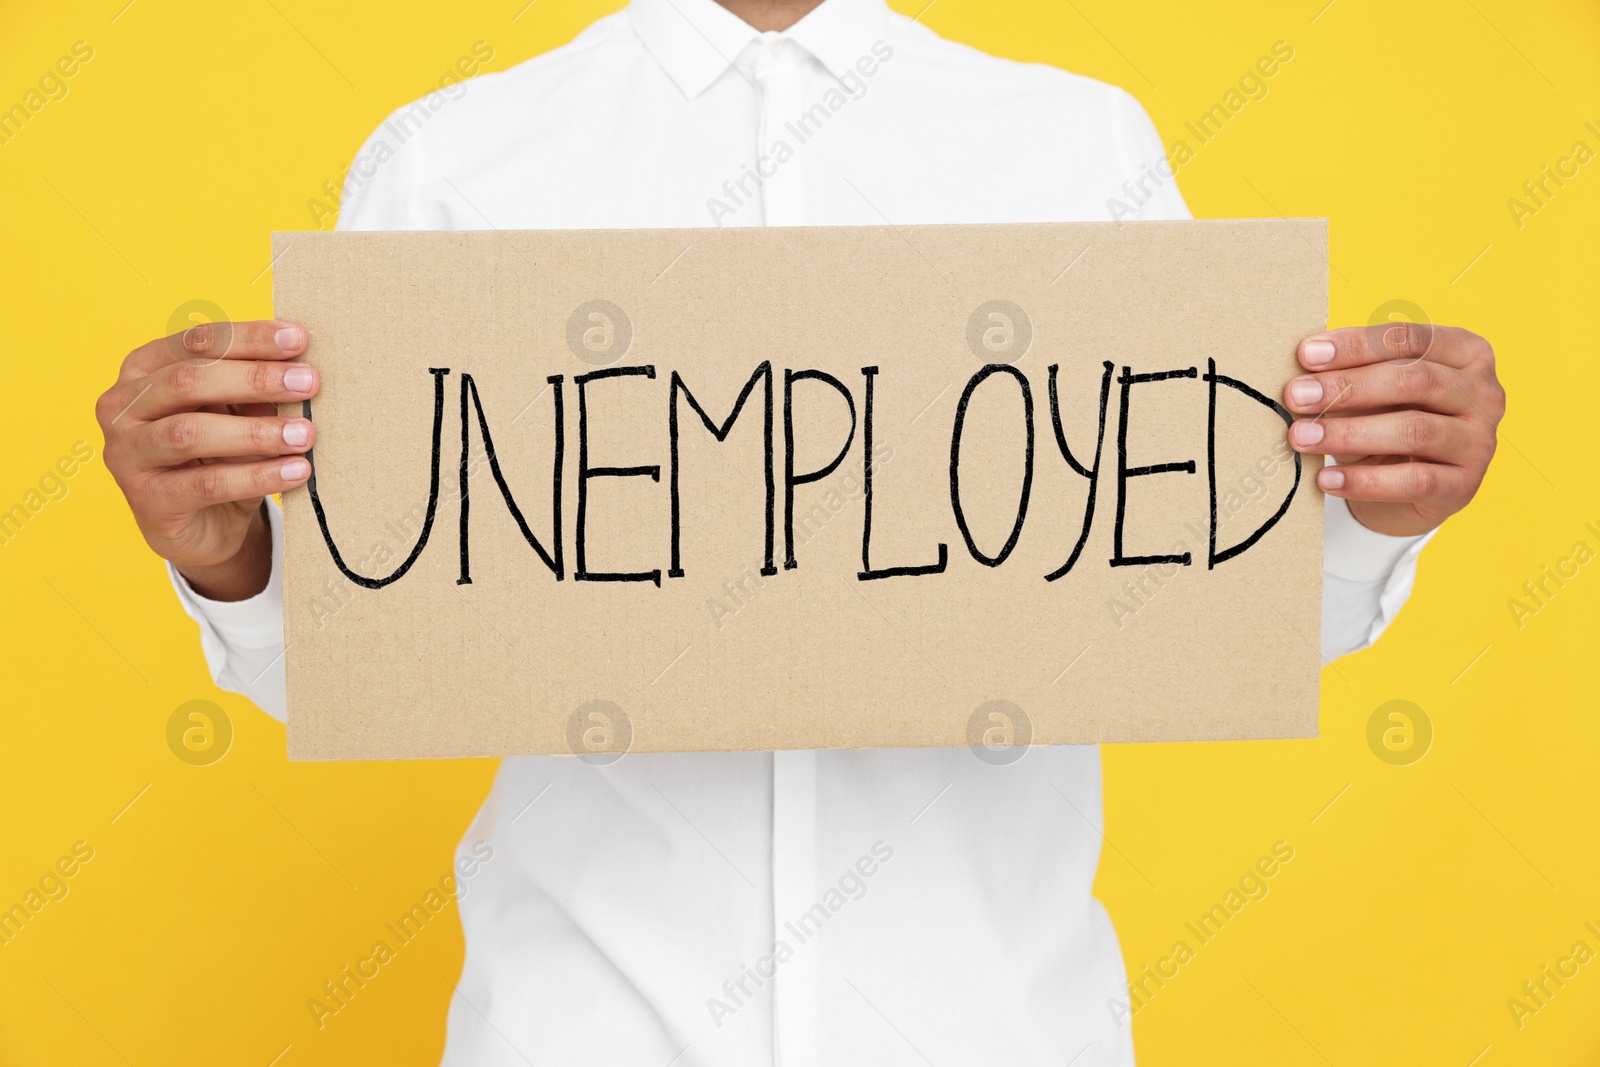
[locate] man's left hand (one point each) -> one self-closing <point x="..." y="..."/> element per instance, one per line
<point x="1408" y="411"/>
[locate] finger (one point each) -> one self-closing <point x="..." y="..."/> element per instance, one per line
<point x="1358" y="346"/>
<point x="188" y="385"/>
<point x="1400" y="483"/>
<point x="178" y="439"/>
<point x="269" y="339"/>
<point x="190" y="489"/>
<point x="1421" y="434"/>
<point x="1427" y="386"/>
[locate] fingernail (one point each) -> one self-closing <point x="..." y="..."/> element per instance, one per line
<point x="1305" y="391"/>
<point x="1316" y="353"/>
<point x="1331" y="478"/>
<point x="299" y="379"/>
<point x="290" y="339"/>
<point x="294" y="470"/>
<point x="1306" y="432"/>
<point x="297" y="433"/>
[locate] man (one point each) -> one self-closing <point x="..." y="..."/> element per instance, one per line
<point x="873" y="907"/>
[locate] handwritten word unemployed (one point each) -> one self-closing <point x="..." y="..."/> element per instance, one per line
<point x="766" y="378"/>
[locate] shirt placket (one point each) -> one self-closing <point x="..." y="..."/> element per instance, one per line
<point x="794" y="852"/>
<point x="780" y="71"/>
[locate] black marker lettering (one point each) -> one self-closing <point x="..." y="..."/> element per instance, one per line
<point x="1092" y="473"/>
<point x="955" y="462"/>
<point x="1213" y="557"/>
<point x="790" y="478"/>
<point x="764" y="371"/>
<point x="553" y="562"/>
<point x="433" y="495"/>
<point x="585" y="472"/>
<point x="1124" y="472"/>
<point x="868" y="573"/>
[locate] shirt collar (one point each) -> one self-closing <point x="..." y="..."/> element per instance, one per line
<point x="840" y="32"/>
<point x="696" y="41"/>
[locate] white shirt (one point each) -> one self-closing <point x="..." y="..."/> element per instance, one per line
<point x="650" y="911"/>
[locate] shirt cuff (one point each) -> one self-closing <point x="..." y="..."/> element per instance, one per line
<point x="253" y="623"/>
<point x="1357" y="554"/>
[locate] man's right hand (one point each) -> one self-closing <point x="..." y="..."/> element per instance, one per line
<point x="194" y="440"/>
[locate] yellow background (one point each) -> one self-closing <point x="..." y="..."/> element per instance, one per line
<point x="1416" y="904"/>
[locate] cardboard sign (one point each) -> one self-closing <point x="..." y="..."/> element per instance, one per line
<point x="751" y="489"/>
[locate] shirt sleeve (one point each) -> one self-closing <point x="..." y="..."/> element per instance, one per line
<point x="383" y="188"/>
<point x="1366" y="579"/>
<point x="243" y="639"/>
<point x="1143" y="164"/>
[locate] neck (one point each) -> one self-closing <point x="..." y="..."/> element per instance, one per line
<point x="771" y="15"/>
